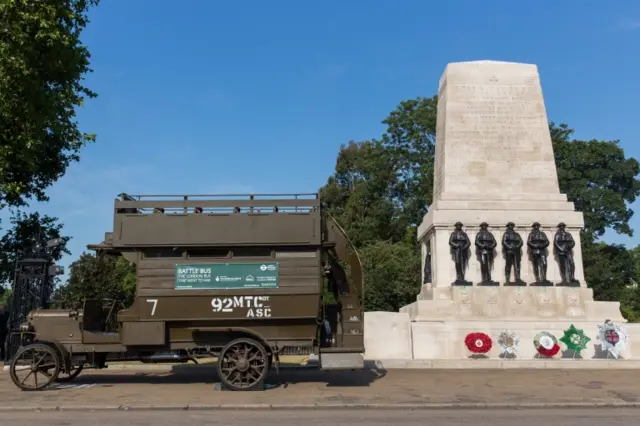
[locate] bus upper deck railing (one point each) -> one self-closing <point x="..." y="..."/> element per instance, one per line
<point x="217" y="204"/>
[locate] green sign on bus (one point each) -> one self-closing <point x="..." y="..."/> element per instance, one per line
<point x="221" y="276"/>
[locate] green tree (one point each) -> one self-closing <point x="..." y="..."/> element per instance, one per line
<point x="630" y="295"/>
<point x="5" y="298"/>
<point x="26" y="230"/>
<point x="392" y="277"/>
<point x="359" y="196"/>
<point x="602" y="182"/>
<point x="42" y="63"/>
<point x="410" y="140"/>
<point x="381" y="189"/>
<point x="599" y="179"/>
<point x="98" y="277"/>
<point x="610" y="269"/>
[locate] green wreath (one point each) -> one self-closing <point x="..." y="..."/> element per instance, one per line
<point x="575" y="339"/>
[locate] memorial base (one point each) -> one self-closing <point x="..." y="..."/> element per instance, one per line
<point x="574" y="283"/>
<point x="517" y="283"/>
<point x="393" y="336"/>
<point x="512" y="303"/>
<point x="489" y="284"/>
<point x="435" y="326"/>
<point x="445" y="340"/>
<point x="542" y="284"/>
<point x="461" y="283"/>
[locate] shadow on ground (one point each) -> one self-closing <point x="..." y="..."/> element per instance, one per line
<point x="208" y="375"/>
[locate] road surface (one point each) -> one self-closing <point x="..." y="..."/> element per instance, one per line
<point x="567" y="417"/>
<point x="195" y="387"/>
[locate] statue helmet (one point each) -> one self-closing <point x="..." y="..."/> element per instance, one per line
<point x="483" y="224"/>
<point x="561" y="225"/>
<point x="458" y="224"/>
<point x="535" y="224"/>
<point x="510" y="224"/>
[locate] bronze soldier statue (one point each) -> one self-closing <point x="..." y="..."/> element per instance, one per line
<point x="460" y="243"/>
<point x="538" y="243"/>
<point x="512" y="249"/>
<point x="485" y="244"/>
<point x="427" y="265"/>
<point x="564" y="244"/>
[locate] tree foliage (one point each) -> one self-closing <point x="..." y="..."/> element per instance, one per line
<point x="359" y="194"/>
<point x="382" y="188"/>
<point x="42" y="62"/>
<point x="410" y="141"/>
<point x="599" y="179"/>
<point x="98" y="277"/>
<point x="391" y="271"/>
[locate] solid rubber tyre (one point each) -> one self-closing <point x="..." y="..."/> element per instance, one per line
<point x="34" y="348"/>
<point x="229" y="362"/>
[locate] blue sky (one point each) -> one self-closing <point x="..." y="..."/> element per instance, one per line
<point x="217" y="97"/>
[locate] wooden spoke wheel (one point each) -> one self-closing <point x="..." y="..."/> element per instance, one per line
<point x="35" y="366"/>
<point x="64" y="377"/>
<point x="243" y="365"/>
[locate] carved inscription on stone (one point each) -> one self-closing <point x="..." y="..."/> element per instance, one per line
<point x="490" y="305"/>
<point x="499" y="117"/>
<point x="464" y="303"/>
<point x="573" y="303"/>
<point x="546" y="302"/>
<point x="519" y="302"/>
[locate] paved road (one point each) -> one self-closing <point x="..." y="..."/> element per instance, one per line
<point x="194" y="386"/>
<point x="589" y="417"/>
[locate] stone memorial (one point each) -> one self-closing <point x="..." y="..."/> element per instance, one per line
<point x="495" y="177"/>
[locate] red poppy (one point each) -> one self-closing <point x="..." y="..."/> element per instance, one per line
<point x="478" y="343"/>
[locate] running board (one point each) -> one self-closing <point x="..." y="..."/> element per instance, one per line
<point x="341" y="361"/>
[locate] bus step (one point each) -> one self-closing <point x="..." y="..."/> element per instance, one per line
<point x="341" y="361"/>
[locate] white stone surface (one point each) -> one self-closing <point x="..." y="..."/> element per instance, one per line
<point x="494" y="163"/>
<point x="391" y="336"/>
<point x="510" y="303"/>
<point x="492" y="133"/>
<point x="445" y="340"/>
<point x="507" y="364"/>
<point x="387" y="335"/>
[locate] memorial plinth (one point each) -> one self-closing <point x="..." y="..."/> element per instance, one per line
<point x="495" y="172"/>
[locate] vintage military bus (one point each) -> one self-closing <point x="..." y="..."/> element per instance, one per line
<point x="239" y="278"/>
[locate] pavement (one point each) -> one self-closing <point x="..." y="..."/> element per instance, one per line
<point x="453" y="364"/>
<point x="568" y="417"/>
<point x="193" y="388"/>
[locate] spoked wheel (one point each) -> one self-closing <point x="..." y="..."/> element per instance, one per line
<point x="243" y="365"/>
<point x="34" y="367"/>
<point x="64" y="377"/>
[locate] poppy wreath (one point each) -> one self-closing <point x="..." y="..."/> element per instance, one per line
<point x="478" y="343"/>
<point x="546" y="344"/>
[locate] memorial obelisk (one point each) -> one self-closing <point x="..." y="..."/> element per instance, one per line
<point x="503" y="242"/>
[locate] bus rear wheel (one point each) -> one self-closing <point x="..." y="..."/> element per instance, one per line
<point x="243" y="365"/>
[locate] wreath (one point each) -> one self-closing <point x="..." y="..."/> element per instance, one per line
<point x="478" y="343"/>
<point x="508" y="342"/>
<point x="613" y="338"/>
<point x="575" y="339"/>
<point x="546" y="344"/>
